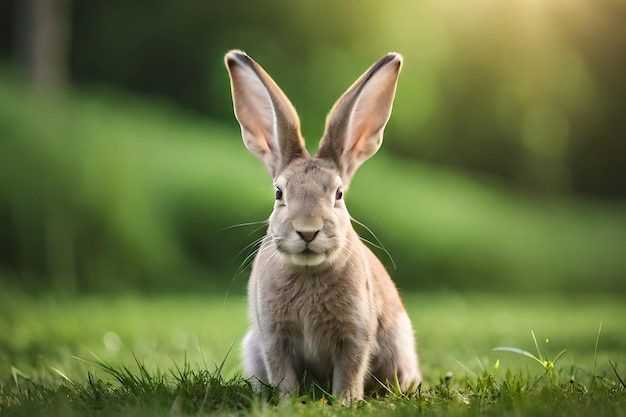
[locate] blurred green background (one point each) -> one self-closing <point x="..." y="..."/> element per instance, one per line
<point x="503" y="167"/>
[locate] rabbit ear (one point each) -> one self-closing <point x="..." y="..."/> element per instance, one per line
<point x="270" y="127"/>
<point x="354" y="126"/>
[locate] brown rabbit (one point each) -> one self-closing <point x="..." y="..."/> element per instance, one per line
<point x="322" y="307"/>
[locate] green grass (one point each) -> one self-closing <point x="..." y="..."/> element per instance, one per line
<point x="131" y="355"/>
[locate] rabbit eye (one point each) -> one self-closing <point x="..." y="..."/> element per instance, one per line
<point x="339" y="194"/>
<point x="279" y="194"/>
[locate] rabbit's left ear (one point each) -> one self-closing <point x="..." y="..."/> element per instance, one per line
<point x="355" y="125"/>
<point x="270" y="127"/>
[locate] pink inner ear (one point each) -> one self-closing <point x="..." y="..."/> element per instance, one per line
<point x="257" y="147"/>
<point x="366" y="142"/>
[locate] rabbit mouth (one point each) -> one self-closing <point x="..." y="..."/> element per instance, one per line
<point x="307" y="258"/>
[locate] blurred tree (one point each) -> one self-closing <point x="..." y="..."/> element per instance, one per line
<point x="43" y="35"/>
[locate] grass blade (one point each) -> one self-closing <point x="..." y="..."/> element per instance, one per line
<point x="595" y="353"/>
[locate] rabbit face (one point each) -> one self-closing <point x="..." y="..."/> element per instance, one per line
<point x="310" y="221"/>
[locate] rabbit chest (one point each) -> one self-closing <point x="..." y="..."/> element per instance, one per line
<point x="316" y="315"/>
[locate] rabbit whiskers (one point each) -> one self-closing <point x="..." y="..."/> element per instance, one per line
<point x="378" y="244"/>
<point x="252" y="247"/>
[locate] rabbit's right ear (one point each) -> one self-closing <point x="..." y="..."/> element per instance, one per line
<point x="354" y="127"/>
<point x="270" y="127"/>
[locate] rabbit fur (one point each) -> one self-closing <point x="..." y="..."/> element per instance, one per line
<point x="322" y="307"/>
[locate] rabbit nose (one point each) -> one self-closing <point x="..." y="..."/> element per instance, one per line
<point x="308" y="236"/>
<point x="307" y="227"/>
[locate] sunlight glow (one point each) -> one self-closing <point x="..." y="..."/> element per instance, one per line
<point x="112" y="341"/>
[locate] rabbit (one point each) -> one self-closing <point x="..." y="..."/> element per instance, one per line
<point x="322" y="307"/>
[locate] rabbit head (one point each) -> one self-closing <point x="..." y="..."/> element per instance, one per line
<point x="310" y="223"/>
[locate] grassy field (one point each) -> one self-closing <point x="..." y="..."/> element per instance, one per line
<point x="131" y="355"/>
